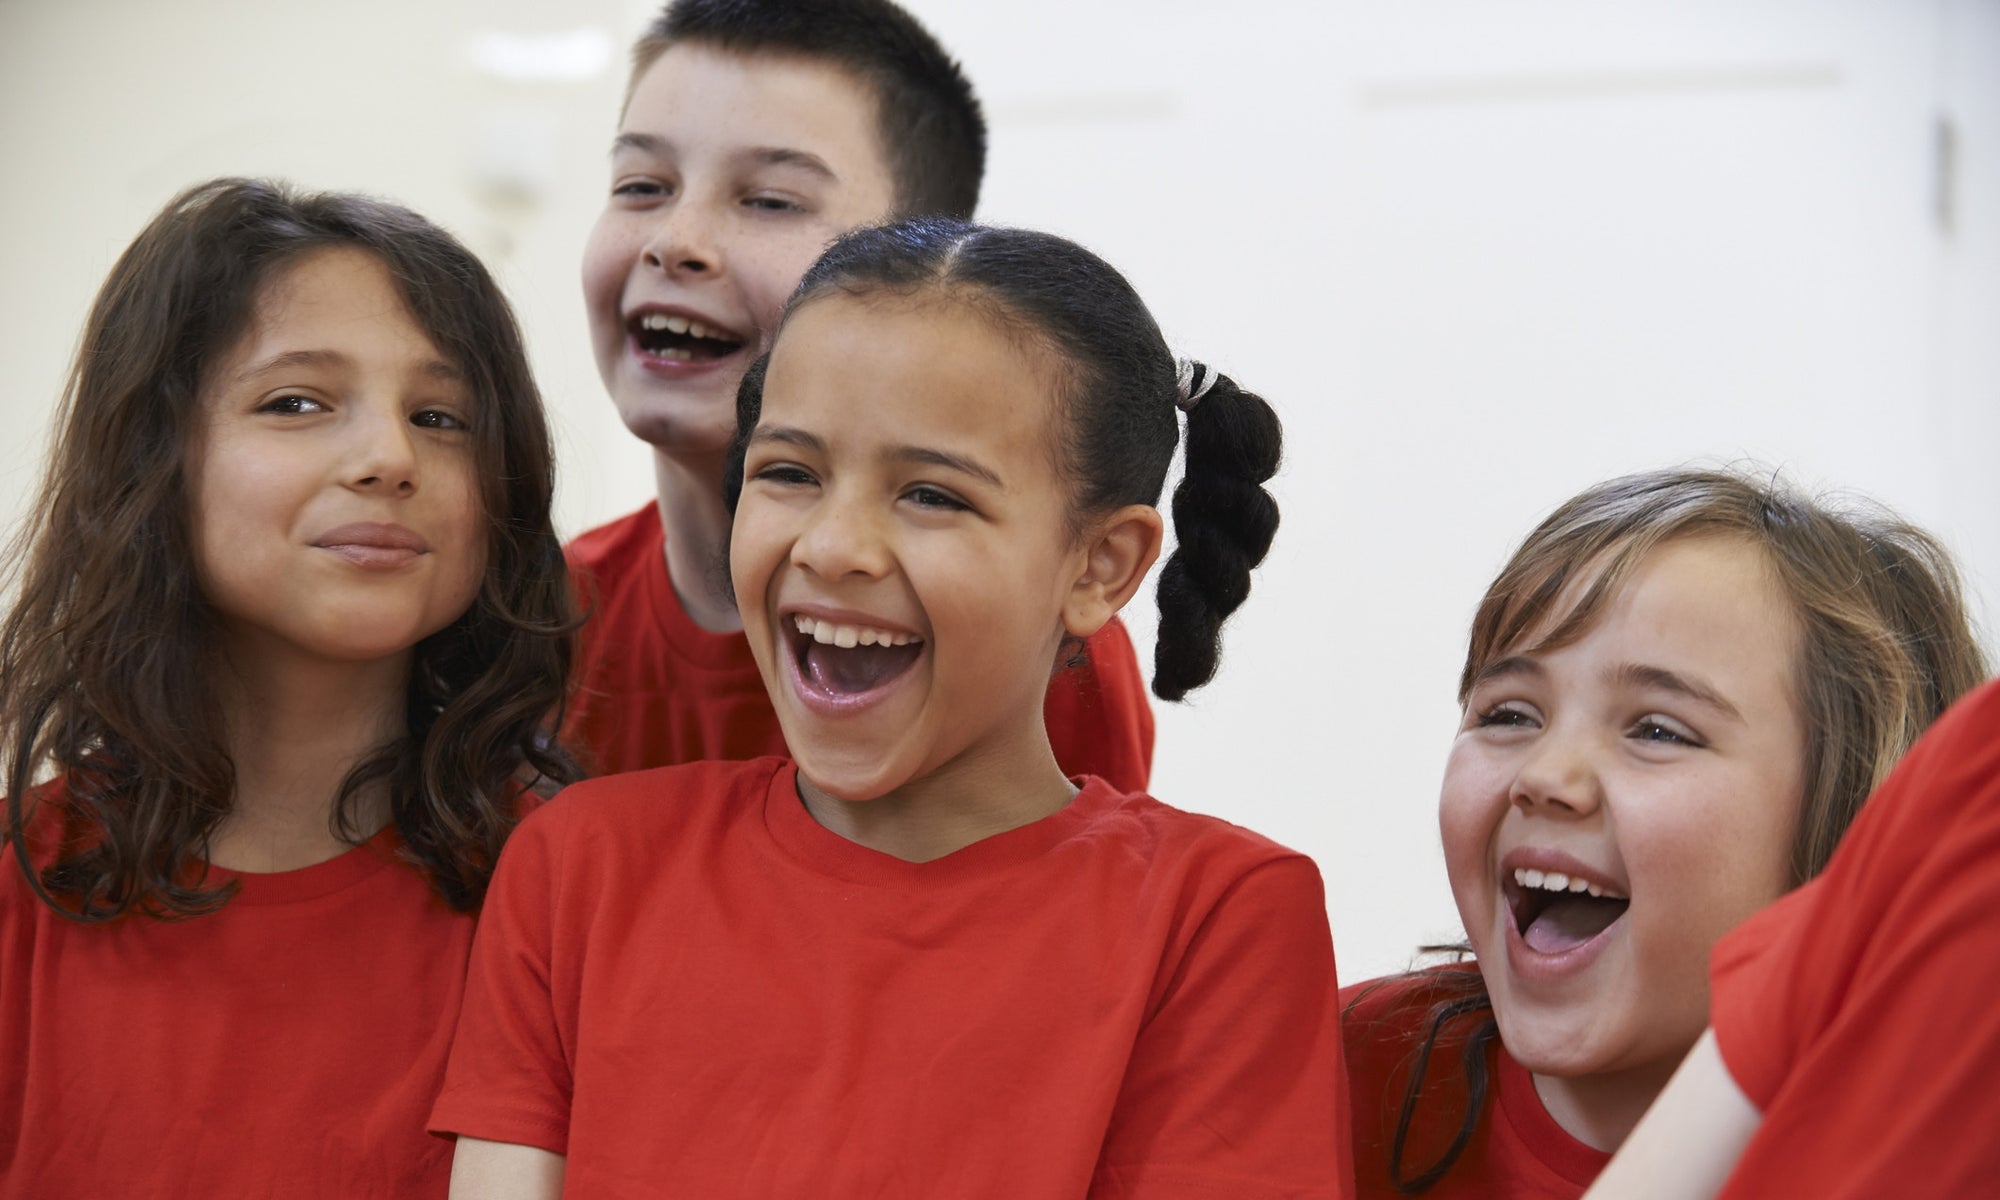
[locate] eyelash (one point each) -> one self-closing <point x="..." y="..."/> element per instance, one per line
<point x="453" y="421"/>
<point x="787" y="474"/>
<point x="1504" y="715"/>
<point x="287" y="404"/>
<point x="926" y="496"/>
<point x="1649" y="730"/>
<point x="640" y="187"/>
<point x="428" y="418"/>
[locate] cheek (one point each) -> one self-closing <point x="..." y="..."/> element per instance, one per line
<point x="770" y="272"/>
<point x="757" y="542"/>
<point x="1721" y="844"/>
<point x="1471" y="805"/>
<point x="462" y="519"/>
<point x="607" y="258"/>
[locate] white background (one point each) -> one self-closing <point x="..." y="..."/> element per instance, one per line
<point x="1478" y="253"/>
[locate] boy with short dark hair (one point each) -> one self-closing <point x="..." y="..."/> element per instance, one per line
<point x="754" y="133"/>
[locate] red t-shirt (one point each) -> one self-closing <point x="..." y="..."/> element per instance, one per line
<point x="655" y="689"/>
<point x="1861" y="1013"/>
<point x="689" y="987"/>
<point x="289" y="1044"/>
<point x="1517" y="1150"/>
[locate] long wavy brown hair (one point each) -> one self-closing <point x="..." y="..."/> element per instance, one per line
<point x="1886" y="646"/>
<point x="104" y="657"/>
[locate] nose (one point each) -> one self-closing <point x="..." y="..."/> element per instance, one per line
<point x="683" y="242"/>
<point x="1558" y="778"/>
<point x="843" y="538"/>
<point x="384" y="454"/>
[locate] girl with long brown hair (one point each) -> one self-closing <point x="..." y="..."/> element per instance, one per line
<point x="1678" y="693"/>
<point x="291" y="622"/>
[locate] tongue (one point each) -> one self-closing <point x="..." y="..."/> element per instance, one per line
<point x="1571" y="921"/>
<point x="860" y="669"/>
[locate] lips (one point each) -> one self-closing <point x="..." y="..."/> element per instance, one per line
<point x="668" y="338"/>
<point x="1560" y="908"/>
<point x="843" y="661"/>
<point x="374" y="545"/>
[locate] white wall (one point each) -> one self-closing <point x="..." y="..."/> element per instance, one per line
<point x="1479" y="254"/>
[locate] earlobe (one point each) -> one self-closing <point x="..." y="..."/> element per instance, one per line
<point x="1118" y="551"/>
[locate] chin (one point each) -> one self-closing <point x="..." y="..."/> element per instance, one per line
<point x="853" y="778"/>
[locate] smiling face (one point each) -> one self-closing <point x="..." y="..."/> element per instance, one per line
<point x="730" y="173"/>
<point x="1612" y="807"/>
<point x="336" y="510"/>
<point x="900" y="488"/>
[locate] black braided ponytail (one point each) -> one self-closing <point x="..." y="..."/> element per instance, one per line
<point x="1223" y="523"/>
<point x="1118" y="403"/>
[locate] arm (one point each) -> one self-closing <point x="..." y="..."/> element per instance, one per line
<point x="507" y="1085"/>
<point x="503" y="1171"/>
<point x="1236" y="1084"/>
<point x="1687" y="1143"/>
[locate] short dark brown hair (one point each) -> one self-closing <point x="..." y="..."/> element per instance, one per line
<point x="933" y="134"/>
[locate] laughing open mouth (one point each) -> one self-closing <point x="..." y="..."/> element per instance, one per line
<point x="1555" y="912"/>
<point x="851" y="660"/>
<point x="681" y="339"/>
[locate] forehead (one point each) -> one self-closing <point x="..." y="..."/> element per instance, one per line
<point x="339" y="299"/>
<point x="1713" y="602"/>
<point x="700" y="97"/>
<point x="918" y="367"/>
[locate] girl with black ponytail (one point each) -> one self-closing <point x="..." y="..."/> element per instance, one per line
<point x="915" y="959"/>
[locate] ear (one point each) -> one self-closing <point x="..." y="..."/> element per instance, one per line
<point x="1118" y="550"/>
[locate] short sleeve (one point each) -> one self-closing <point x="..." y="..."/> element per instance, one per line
<point x="509" y="1079"/>
<point x="1236" y="1085"/>
<point x="1858" y="1013"/>
<point x="1099" y="720"/>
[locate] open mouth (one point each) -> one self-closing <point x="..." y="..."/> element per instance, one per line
<point x="1555" y="912"/>
<point x="847" y="661"/>
<point x="681" y="339"/>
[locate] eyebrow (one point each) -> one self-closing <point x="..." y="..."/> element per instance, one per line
<point x="1512" y="665"/>
<point x="905" y="454"/>
<point x="789" y="436"/>
<point x="1632" y="675"/>
<point x="950" y="462"/>
<point x="1639" y="675"/>
<point x="435" y="368"/>
<point x="765" y="156"/>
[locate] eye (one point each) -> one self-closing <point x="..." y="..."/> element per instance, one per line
<point x="929" y="496"/>
<point x="292" y="405"/>
<point x="770" y="203"/>
<point x="784" y="474"/>
<point x="639" y="189"/>
<point x="1664" y="731"/>
<point x="437" y="418"/>
<point x="1508" y="714"/>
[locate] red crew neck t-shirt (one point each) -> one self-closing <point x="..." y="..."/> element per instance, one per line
<point x="1517" y="1150"/>
<point x="289" y="1044"/>
<point x="688" y="987"/>
<point x="1861" y="1012"/>
<point x="656" y="690"/>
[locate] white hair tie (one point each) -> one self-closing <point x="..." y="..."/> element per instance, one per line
<point x="1193" y="380"/>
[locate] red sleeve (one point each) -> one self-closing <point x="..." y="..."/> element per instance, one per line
<point x="1236" y="1085"/>
<point x="1099" y="720"/>
<point x="1859" y="1012"/>
<point x="509" y="1075"/>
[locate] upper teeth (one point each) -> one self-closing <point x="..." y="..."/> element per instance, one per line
<point x="826" y="633"/>
<point x="1556" y="881"/>
<point x="672" y="324"/>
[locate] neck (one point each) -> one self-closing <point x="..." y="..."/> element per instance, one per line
<point x="970" y="799"/>
<point x="1600" y="1110"/>
<point x="697" y="525"/>
<point x="294" y="728"/>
